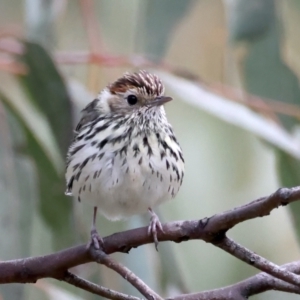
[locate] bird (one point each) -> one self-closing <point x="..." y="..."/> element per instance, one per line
<point x="125" y="159"/>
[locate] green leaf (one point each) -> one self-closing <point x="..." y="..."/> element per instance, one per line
<point x="35" y="122"/>
<point x="267" y="75"/>
<point x="289" y="170"/>
<point x="47" y="92"/>
<point x="248" y="20"/>
<point x="158" y="20"/>
<point x="141" y="27"/>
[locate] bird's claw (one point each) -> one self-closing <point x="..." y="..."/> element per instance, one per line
<point x="154" y="225"/>
<point x="96" y="240"/>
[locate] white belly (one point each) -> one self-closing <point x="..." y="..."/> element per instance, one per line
<point x="128" y="184"/>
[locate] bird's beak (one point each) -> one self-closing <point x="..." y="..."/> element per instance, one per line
<point x="160" y="101"/>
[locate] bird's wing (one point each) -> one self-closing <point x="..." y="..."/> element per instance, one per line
<point x="89" y="113"/>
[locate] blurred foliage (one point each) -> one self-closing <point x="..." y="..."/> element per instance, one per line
<point x="242" y="15"/>
<point x="267" y="75"/>
<point x="48" y="93"/>
<point x="18" y="194"/>
<point x="153" y="37"/>
<point x="225" y="162"/>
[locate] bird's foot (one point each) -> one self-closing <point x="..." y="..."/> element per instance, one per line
<point x="154" y="225"/>
<point x="96" y="240"/>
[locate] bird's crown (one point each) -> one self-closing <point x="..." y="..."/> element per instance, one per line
<point x="145" y="83"/>
<point x="132" y="93"/>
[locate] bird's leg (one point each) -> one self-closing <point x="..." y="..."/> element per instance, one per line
<point x="153" y="226"/>
<point x="96" y="239"/>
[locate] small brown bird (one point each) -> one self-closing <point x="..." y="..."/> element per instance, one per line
<point x="125" y="158"/>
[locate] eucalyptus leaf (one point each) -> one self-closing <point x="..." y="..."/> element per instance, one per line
<point x="47" y="92"/>
<point x="249" y="19"/>
<point x="267" y="75"/>
<point x="158" y="20"/>
<point x="33" y="120"/>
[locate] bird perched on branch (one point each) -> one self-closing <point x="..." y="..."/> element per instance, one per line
<point x="125" y="159"/>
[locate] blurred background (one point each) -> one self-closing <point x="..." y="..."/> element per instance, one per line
<point x="233" y="69"/>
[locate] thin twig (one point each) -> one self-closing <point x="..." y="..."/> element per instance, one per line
<point x="94" y="288"/>
<point x="256" y="261"/>
<point x="260" y="104"/>
<point x="102" y="258"/>
<point x="263" y="282"/>
<point x="94" y="40"/>
<point x="91" y="25"/>
<point x="7" y="64"/>
<point x="254" y="285"/>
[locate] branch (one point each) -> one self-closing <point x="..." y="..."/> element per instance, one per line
<point x="257" y="261"/>
<point x="263" y="282"/>
<point x="254" y="285"/>
<point x="211" y="230"/>
<point x="102" y="258"/>
<point x="94" y="288"/>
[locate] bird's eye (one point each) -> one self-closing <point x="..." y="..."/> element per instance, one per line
<point x="132" y="99"/>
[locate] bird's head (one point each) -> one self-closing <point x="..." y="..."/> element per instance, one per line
<point x="133" y="92"/>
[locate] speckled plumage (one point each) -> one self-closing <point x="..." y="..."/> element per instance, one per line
<point x="125" y="158"/>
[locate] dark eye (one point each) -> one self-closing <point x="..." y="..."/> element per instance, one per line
<point x="132" y="99"/>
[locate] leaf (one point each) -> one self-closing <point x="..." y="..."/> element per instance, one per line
<point x="34" y="121"/>
<point x="157" y="24"/>
<point x="233" y="113"/>
<point x="141" y="27"/>
<point x="47" y="90"/>
<point x="48" y="94"/>
<point x="267" y="75"/>
<point x="249" y="19"/>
